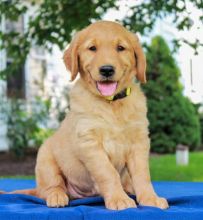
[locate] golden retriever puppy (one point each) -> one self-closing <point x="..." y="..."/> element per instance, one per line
<point x="102" y="146"/>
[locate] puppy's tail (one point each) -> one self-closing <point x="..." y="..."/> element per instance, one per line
<point x="32" y="192"/>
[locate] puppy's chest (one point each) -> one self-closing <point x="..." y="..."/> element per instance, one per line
<point x="118" y="138"/>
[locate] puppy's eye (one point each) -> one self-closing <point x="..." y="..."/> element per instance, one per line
<point x="92" y="48"/>
<point x="120" y="48"/>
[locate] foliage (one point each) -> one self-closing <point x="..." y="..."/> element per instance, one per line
<point x="53" y="22"/>
<point x="40" y="135"/>
<point x="164" y="168"/>
<point x="201" y="125"/>
<point x="32" y="121"/>
<point x="173" y="119"/>
<point x="143" y="16"/>
<point x="199" y="109"/>
<point x="26" y="127"/>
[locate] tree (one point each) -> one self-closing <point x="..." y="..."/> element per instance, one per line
<point x="201" y="125"/>
<point x="143" y="16"/>
<point x="173" y="118"/>
<point x="55" y="21"/>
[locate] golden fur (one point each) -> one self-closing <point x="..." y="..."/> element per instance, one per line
<point x="101" y="147"/>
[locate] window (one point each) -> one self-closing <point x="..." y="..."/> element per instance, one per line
<point x="16" y="83"/>
<point x="16" y="80"/>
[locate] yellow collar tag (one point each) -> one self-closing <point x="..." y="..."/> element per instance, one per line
<point x="109" y="98"/>
<point x="120" y="95"/>
<point x="128" y="91"/>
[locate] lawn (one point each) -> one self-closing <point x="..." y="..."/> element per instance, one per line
<point x="163" y="167"/>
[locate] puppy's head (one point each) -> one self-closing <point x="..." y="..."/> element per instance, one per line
<point x="107" y="56"/>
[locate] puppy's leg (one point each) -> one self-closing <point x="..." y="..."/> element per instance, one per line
<point x="139" y="170"/>
<point x="50" y="183"/>
<point x="104" y="174"/>
<point x="127" y="182"/>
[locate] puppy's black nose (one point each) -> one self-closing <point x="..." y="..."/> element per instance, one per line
<point x="107" y="70"/>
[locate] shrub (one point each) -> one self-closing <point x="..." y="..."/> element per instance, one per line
<point x="173" y="119"/>
<point x="26" y="124"/>
<point x="201" y="128"/>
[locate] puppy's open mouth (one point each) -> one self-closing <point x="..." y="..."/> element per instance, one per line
<point x="107" y="88"/>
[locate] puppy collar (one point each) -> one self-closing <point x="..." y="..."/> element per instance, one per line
<point x="125" y="92"/>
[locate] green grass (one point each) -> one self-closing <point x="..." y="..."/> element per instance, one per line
<point x="165" y="168"/>
<point x="17" y="177"/>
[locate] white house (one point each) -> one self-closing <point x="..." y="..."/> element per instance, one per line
<point x="3" y="126"/>
<point x="41" y="69"/>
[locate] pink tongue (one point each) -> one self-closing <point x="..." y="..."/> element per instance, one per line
<point x="107" y="89"/>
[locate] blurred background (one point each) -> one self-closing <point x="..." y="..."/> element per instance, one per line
<point x="34" y="84"/>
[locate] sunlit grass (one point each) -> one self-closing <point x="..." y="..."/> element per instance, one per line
<point x="165" y="168"/>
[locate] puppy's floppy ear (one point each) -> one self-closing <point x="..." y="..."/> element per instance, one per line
<point x="140" y="59"/>
<point x="71" y="58"/>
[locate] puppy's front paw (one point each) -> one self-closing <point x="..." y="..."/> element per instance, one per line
<point x="119" y="202"/>
<point x="153" y="201"/>
<point x="57" y="199"/>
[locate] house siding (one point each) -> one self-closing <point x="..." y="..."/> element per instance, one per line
<point x="3" y="126"/>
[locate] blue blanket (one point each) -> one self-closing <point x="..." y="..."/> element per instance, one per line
<point x="185" y="200"/>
